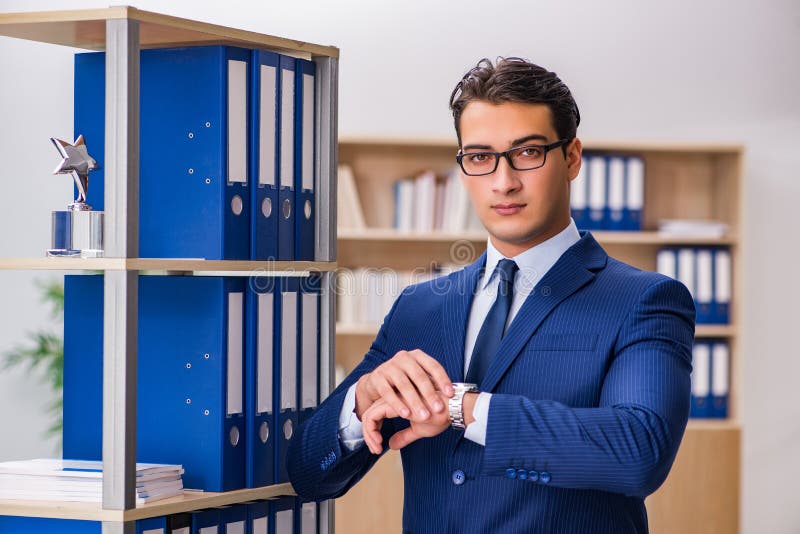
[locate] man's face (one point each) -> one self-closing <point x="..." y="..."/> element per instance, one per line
<point x="520" y="209"/>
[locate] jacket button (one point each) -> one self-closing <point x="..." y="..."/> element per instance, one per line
<point x="458" y="477"/>
<point x="533" y="476"/>
<point x="544" y="477"/>
<point x="522" y="474"/>
<point x="511" y="472"/>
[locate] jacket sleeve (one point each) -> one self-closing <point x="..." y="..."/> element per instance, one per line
<point x="628" y="443"/>
<point x="319" y="466"/>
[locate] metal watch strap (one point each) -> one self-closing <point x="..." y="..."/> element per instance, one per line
<point x="456" y="403"/>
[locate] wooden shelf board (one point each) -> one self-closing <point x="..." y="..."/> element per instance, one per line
<point x="604" y="237"/>
<point x="168" y="266"/>
<point x="715" y="330"/>
<point x="343" y="329"/>
<point x="588" y="144"/>
<point x="189" y="501"/>
<point x="85" y="28"/>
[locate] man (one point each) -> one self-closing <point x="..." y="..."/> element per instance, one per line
<point x="580" y="363"/>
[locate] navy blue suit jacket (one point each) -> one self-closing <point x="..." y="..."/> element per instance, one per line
<point x="590" y="385"/>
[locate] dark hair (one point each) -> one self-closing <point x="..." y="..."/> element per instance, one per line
<point x="517" y="80"/>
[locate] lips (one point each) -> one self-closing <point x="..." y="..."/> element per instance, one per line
<point x="508" y="208"/>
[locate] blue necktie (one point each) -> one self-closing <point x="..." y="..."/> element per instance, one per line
<point x="494" y="325"/>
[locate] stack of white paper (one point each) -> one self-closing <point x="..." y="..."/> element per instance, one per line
<point x="82" y="481"/>
<point x="693" y="227"/>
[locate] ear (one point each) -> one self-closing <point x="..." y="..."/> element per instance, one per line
<point x="574" y="153"/>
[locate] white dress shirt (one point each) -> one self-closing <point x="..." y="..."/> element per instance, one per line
<point x="533" y="264"/>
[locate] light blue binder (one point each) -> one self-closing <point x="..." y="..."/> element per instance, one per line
<point x="615" y="213"/>
<point x="285" y="370"/>
<point x="634" y="193"/>
<point x="723" y="285"/>
<point x="578" y="197"/>
<point x="171" y="524"/>
<point x="233" y="519"/>
<point x="265" y="155"/>
<point x="305" y="104"/>
<point x="193" y="171"/>
<point x="308" y="517"/>
<point x="286" y="174"/>
<point x="262" y="323"/>
<point x="283" y="518"/>
<point x="39" y="525"/>
<point x="720" y="379"/>
<point x="597" y="176"/>
<point x="700" y="406"/>
<point x="190" y="375"/>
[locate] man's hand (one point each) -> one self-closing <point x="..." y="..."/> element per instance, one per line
<point x="409" y="383"/>
<point x="380" y="410"/>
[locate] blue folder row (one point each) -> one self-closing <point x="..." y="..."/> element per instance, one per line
<point x="710" y="379"/>
<point x="706" y="273"/>
<point x="608" y="193"/>
<point x="226" y="151"/>
<point x="223" y="365"/>
<point x="285" y="515"/>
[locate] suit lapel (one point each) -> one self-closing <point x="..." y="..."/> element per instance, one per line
<point x="455" y="314"/>
<point x="572" y="271"/>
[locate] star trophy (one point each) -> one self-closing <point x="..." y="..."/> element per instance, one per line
<point x="79" y="230"/>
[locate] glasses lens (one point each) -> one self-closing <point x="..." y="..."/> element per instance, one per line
<point x="478" y="162"/>
<point x="527" y="157"/>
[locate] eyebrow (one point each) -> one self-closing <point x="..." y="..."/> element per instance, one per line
<point x="516" y="142"/>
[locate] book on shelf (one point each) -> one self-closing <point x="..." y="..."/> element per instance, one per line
<point x="693" y="228"/>
<point x="82" y="481"/>
<point x="350" y="215"/>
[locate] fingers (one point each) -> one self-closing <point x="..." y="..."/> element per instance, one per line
<point x="403" y="438"/>
<point x="371" y="425"/>
<point x="436" y="372"/>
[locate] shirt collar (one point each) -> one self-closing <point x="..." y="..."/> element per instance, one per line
<point x="536" y="261"/>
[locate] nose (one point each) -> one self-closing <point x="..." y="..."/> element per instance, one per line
<point x="505" y="179"/>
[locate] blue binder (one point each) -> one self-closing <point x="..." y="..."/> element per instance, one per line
<point x="723" y="281"/>
<point x="578" y="196"/>
<point x="701" y="380"/>
<point x="308" y="383"/>
<point x="233" y="519"/>
<point x="615" y="212"/>
<point x="261" y="326"/>
<point x="704" y="268"/>
<point x="282" y="514"/>
<point x="285" y="369"/>
<point x="171" y="524"/>
<point x="597" y="177"/>
<point x="286" y="193"/>
<point x="305" y="103"/>
<point x="307" y="514"/>
<point x="39" y="525"/>
<point x="720" y="380"/>
<point x="194" y="196"/>
<point x="190" y="375"/>
<point x="258" y="517"/>
<point x="634" y="193"/>
<point x="265" y="161"/>
<point x="207" y="519"/>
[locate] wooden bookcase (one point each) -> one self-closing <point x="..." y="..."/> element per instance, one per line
<point x="683" y="180"/>
<point x="122" y="32"/>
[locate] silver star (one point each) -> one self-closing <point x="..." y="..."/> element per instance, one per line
<point x="77" y="162"/>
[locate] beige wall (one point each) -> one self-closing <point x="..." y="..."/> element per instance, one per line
<point x="681" y="70"/>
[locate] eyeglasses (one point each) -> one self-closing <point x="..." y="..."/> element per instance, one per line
<point x="522" y="158"/>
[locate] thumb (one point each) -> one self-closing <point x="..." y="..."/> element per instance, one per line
<point x="403" y="438"/>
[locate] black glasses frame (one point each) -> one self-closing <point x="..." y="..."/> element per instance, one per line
<point x="497" y="155"/>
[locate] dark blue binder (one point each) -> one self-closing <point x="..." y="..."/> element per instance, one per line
<point x="634" y="193"/>
<point x="258" y="517"/>
<point x="704" y="279"/>
<point x="265" y="160"/>
<point x="287" y="157"/>
<point x="309" y="343"/>
<point x="701" y="380"/>
<point x="190" y="375"/>
<point x="615" y="209"/>
<point x="193" y="171"/>
<point x="40" y="525"/>
<point x="305" y="103"/>
<point x="720" y="379"/>
<point x="578" y="196"/>
<point x="723" y="281"/>
<point x="233" y="519"/>
<point x="259" y="411"/>
<point x="282" y="517"/>
<point x="171" y="524"/>
<point x="285" y="370"/>
<point x="206" y="519"/>
<point x="307" y="516"/>
<point x="597" y="177"/>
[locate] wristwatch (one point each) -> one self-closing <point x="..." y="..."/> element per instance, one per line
<point x="456" y="403"/>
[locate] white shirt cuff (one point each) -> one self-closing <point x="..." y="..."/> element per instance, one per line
<point x="476" y="431"/>
<point x="350" y="432"/>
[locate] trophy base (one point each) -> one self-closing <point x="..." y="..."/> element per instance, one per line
<point x="77" y="234"/>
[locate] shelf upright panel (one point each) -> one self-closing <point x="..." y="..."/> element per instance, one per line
<point x="327" y="142"/>
<point x="120" y="316"/>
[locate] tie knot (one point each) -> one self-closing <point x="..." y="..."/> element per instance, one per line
<point x="506" y="269"/>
